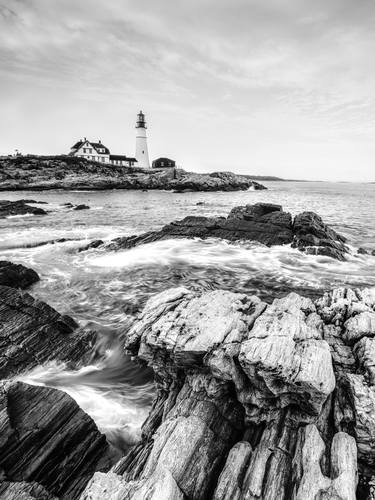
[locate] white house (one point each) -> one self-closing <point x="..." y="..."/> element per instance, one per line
<point x="96" y="151"/>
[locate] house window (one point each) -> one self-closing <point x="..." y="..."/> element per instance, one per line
<point x="162" y="164"/>
<point x="90" y="150"/>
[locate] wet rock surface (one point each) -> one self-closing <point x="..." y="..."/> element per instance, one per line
<point x="253" y="401"/>
<point x="313" y="236"/>
<point x="17" y="275"/>
<point x="263" y="222"/>
<point x="19" y="207"/>
<point x="48" y="446"/>
<point x="32" y="333"/>
<point x="69" y="172"/>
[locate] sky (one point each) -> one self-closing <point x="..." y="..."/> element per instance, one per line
<point x="265" y="87"/>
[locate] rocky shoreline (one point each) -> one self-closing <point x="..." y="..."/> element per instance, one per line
<point x="253" y="401"/>
<point x="67" y="172"/>
<point x="264" y="223"/>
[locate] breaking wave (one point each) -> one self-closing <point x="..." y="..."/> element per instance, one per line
<point x="115" y="392"/>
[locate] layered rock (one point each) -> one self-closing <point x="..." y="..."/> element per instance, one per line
<point x="32" y="333"/>
<point x="17" y="275"/>
<point x="263" y="222"/>
<point x="24" y="491"/>
<point x="253" y="402"/>
<point x="69" y="172"/>
<point x="48" y="447"/>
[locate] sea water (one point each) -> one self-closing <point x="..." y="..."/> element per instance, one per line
<point x="106" y="290"/>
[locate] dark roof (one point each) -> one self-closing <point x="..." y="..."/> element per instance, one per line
<point x="163" y="159"/>
<point x="121" y="157"/>
<point x="77" y="145"/>
<point x="167" y="162"/>
<point x="96" y="145"/>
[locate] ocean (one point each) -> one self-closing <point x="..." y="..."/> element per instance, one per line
<point x="105" y="290"/>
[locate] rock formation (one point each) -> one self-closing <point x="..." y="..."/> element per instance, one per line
<point x="17" y="275"/>
<point x="263" y="222"/>
<point x="19" y="207"/>
<point x="69" y="172"/>
<point x="48" y="445"/>
<point x="32" y="333"/>
<point x="253" y="401"/>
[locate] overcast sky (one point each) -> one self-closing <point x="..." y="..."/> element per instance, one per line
<point x="276" y="87"/>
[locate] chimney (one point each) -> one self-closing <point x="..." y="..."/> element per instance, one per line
<point x="99" y="141"/>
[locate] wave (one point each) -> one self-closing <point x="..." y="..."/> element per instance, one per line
<point x="283" y="263"/>
<point x="114" y="391"/>
<point x="19" y="216"/>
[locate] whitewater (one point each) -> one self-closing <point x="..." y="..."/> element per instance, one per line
<point x="106" y="290"/>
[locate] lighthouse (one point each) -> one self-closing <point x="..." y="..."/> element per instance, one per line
<point x="141" y="151"/>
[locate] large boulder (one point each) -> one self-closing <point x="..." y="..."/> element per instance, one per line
<point x="253" y="401"/>
<point x="47" y="439"/>
<point x="32" y="333"/>
<point x="286" y="358"/>
<point x="313" y="236"/>
<point x="17" y="275"/>
<point x="265" y="223"/>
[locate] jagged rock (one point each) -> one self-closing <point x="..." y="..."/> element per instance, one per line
<point x="110" y="486"/>
<point x="18" y="207"/>
<point x="81" y="207"/>
<point x="190" y="327"/>
<point x="313" y="236"/>
<point x="46" y="438"/>
<point x="359" y="326"/>
<point x="247" y="406"/>
<point x="364" y="351"/>
<point x="32" y="333"/>
<point x="17" y="275"/>
<point x="24" y="491"/>
<point x="342" y="354"/>
<point x="281" y="351"/>
<point x="365" y="251"/>
<point x="285" y="358"/>
<point x="310" y="482"/>
<point x="92" y="244"/>
<point x="362" y="397"/>
<point x="229" y="486"/>
<point x="265" y="223"/>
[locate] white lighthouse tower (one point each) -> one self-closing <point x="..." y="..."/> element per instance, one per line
<point x="141" y="151"/>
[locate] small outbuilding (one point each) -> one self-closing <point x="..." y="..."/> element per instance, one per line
<point x="163" y="163"/>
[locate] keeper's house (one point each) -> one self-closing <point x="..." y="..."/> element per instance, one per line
<point x="96" y="151"/>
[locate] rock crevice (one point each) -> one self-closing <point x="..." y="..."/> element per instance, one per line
<point x="254" y="402"/>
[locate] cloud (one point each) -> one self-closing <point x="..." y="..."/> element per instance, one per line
<point x="294" y="69"/>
